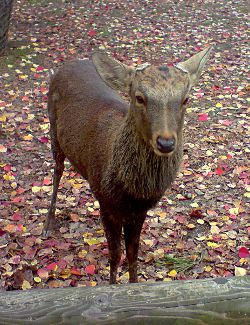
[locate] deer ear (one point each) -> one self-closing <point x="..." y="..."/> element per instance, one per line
<point x="116" y="74"/>
<point x="195" y="64"/>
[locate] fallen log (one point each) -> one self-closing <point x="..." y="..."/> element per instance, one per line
<point x="219" y="301"/>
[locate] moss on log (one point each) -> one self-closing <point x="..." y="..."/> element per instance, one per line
<point x="221" y="301"/>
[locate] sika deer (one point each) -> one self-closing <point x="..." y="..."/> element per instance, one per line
<point x="130" y="154"/>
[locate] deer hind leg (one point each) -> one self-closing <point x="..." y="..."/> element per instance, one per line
<point x="113" y="230"/>
<point x="59" y="158"/>
<point x="132" y="231"/>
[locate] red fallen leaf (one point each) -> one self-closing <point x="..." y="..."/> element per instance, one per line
<point x="74" y="217"/>
<point x="219" y="171"/>
<point x="197" y="48"/>
<point x="196" y="213"/>
<point x="42" y="273"/>
<point x="16" y="216"/>
<point x="105" y="251"/>
<point x="215" y="87"/>
<point x="7" y="168"/>
<point x="227" y="207"/>
<point x="2" y="104"/>
<point x="243" y="252"/>
<point x="20" y="227"/>
<point x="39" y="68"/>
<point x="227" y="273"/>
<point x="46" y="181"/>
<point x="91" y="33"/>
<point x="25" y="98"/>
<point x="43" y="90"/>
<point x="229" y="156"/>
<point x="75" y="271"/>
<point x="248" y="230"/>
<point x="10" y="228"/>
<point x="51" y="266"/>
<point x="2" y="232"/>
<point x="43" y="139"/>
<point x="90" y="269"/>
<point x="180" y="219"/>
<point x="20" y="190"/>
<point x="62" y="263"/>
<point x="225" y="122"/>
<point x="95" y="213"/>
<point x="203" y="117"/>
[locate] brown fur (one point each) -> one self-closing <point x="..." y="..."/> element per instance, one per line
<point x="114" y="145"/>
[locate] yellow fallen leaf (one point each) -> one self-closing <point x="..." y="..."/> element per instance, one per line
<point x="36" y="189"/>
<point x="162" y="215"/>
<point x="23" y="76"/>
<point x="149" y="242"/>
<point x="43" y="210"/>
<point x="3" y="118"/>
<point x="159" y="253"/>
<point x="26" y="285"/>
<point x="212" y="244"/>
<point x="44" y="126"/>
<point x="124" y="277"/>
<point x="194" y="205"/>
<point x="37" y="279"/>
<point x="96" y="204"/>
<point x="218" y="105"/>
<point x="209" y="153"/>
<point x="223" y="157"/>
<point x="8" y="177"/>
<point x="31" y="116"/>
<point x="159" y="275"/>
<point x="214" y="230"/>
<point x="191" y="226"/>
<point x="28" y="137"/>
<point x="82" y="253"/>
<point x="92" y="241"/>
<point x="234" y="211"/>
<point x="200" y="221"/>
<point x="239" y="271"/>
<point x="200" y="238"/>
<point x="207" y="268"/>
<point x="172" y="273"/>
<point x="77" y="186"/>
<point x="13" y="185"/>
<point x="247" y="194"/>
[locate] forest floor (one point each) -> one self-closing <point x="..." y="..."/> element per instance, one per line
<point x="201" y="226"/>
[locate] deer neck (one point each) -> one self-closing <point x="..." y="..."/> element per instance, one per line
<point x="139" y="170"/>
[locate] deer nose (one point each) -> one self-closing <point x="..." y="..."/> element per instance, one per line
<point x="165" y="145"/>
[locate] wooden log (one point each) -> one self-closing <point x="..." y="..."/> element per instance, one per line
<point x="221" y="301"/>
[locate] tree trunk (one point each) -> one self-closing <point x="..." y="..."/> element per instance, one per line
<point x="5" y="13"/>
<point x="219" y="301"/>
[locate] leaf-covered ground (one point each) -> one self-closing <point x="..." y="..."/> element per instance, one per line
<point x="201" y="227"/>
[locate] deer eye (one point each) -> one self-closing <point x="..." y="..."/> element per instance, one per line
<point x="139" y="100"/>
<point x="185" y="101"/>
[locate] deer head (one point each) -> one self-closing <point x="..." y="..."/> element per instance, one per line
<point x="158" y="95"/>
